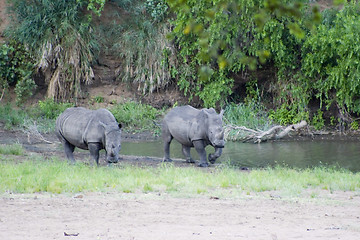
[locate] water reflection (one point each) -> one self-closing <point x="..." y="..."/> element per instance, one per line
<point x="345" y="154"/>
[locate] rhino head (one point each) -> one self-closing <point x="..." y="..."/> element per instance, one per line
<point x="211" y="127"/>
<point x="214" y="131"/>
<point x="112" y="141"/>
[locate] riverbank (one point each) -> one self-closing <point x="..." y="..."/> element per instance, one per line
<point x="141" y="198"/>
<point x="174" y="202"/>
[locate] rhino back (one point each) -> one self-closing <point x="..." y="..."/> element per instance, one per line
<point x="179" y="121"/>
<point x="80" y="126"/>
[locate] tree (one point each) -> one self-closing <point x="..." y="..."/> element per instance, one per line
<point x="219" y="38"/>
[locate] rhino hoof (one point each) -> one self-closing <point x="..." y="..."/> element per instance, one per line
<point x="167" y="160"/>
<point x="211" y="158"/>
<point x="203" y="165"/>
<point x="190" y="160"/>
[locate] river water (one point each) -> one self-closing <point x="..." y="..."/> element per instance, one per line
<point x="299" y="154"/>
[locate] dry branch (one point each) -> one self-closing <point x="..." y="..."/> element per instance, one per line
<point x="32" y="132"/>
<point x="293" y="127"/>
<point x="2" y="94"/>
<point x="256" y="136"/>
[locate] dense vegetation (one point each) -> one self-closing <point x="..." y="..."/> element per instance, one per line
<point x="41" y="118"/>
<point x="280" y="58"/>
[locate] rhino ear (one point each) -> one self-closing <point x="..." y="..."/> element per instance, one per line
<point x="222" y="113"/>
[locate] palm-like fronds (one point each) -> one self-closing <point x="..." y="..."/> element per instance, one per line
<point x="147" y="54"/>
<point x="59" y="37"/>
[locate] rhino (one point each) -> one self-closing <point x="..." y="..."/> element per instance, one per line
<point x="90" y="130"/>
<point x="193" y="128"/>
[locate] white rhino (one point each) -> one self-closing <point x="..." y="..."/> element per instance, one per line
<point x="194" y="128"/>
<point x="90" y="130"/>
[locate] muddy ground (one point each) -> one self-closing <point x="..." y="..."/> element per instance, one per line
<point x="162" y="216"/>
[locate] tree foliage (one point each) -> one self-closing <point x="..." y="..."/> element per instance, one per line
<point x="204" y="46"/>
<point x="16" y="69"/>
<point x="219" y="39"/>
<point x="331" y="58"/>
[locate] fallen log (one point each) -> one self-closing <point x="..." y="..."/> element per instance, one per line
<point x="257" y="136"/>
<point x="293" y="127"/>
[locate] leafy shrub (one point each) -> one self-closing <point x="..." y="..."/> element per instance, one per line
<point x="331" y="58"/>
<point x="157" y="9"/>
<point x="219" y="40"/>
<point x="11" y="116"/>
<point x="288" y="115"/>
<point x="16" y="69"/>
<point x="136" y="115"/>
<point x="318" y="121"/>
<point x="50" y="109"/>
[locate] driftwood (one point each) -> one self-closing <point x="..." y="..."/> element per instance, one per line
<point x="257" y="136"/>
<point x="32" y="132"/>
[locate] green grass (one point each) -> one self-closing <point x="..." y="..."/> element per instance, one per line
<point x="251" y="115"/>
<point x="14" y="149"/>
<point x="55" y="176"/>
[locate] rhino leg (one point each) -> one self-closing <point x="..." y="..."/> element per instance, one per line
<point x="215" y="155"/>
<point x="186" y="152"/>
<point x="69" y="149"/>
<point x="94" y="151"/>
<point x="167" y="138"/>
<point x="200" y="148"/>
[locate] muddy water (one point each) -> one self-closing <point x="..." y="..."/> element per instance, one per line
<point x="303" y="154"/>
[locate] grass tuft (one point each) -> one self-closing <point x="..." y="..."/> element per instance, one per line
<point x="13" y="149"/>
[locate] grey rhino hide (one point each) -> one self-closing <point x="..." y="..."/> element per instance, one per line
<point x="194" y="128"/>
<point x="90" y="130"/>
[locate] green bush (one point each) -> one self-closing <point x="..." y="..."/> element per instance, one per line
<point x="136" y="116"/>
<point x="286" y="115"/>
<point x="11" y="116"/>
<point x="318" y="121"/>
<point x="220" y="40"/>
<point x="331" y="58"/>
<point x="16" y="69"/>
<point x="50" y="109"/>
<point x="157" y="9"/>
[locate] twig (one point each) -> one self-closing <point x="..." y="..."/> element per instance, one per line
<point x="2" y="94"/>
